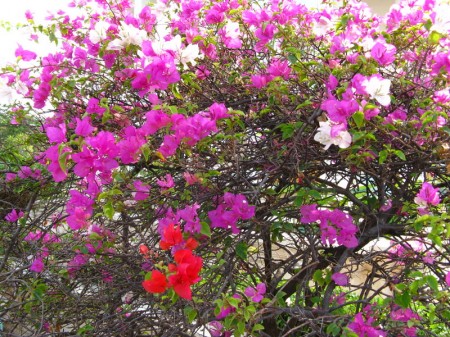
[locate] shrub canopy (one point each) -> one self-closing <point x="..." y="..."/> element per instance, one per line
<point x="235" y="167"/>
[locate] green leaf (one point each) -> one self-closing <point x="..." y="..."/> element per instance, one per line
<point x="315" y="194"/>
<point x="234" y="302"/>
<point x="145" y="152"/>
<point x="190" y="313"/>
<point x="318" y="277"/>
<point x="358" y="117"/>
<point x="258" y="327"/>
<point x="241" y="250"/>
<point x="358" y="135"/>
<point x="85" y="329"/>
<point x="382" y="156"/>
<point x="434" y="37"/>
<point x="205" y="230"/>
<point x="403" y="299"/>
<point x="287" y="130"/>
<point x="108" y="210"/>
<point x="333" y="329"/>
<point x="428" y="24"/>
<point x="176" y="92"/>
<point x="292" y="59"/>
<point x="240" y="329"/>
<point x="400" y="154"/>
<point x="62" y="158"/>
<point x="106" y="116"/>
<point x="432" y="282"/>
<point x="369" y="106"/>
<point x="39" y="291"/>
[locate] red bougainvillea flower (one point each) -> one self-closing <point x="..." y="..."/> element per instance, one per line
<point x="171" y="236"/>
<point x="191" y="244"/>
<point x="143" y="249"/>
<point x="186" y="272"/>
<point x="156" y="284"/>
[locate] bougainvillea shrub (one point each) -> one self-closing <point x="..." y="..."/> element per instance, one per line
<point x="228" y="168"/>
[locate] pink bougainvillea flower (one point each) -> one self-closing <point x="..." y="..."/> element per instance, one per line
<point x="447" y="278"/>
<point x="13" y="216"/>
<point x="336" y="226"/>
<point x="80" y="208"/>
<point x="41" y="94"/>
<point x="202" y="72"/>
<point x="10" y="177"/>
<point x="407" y="316"/>
<point x="37" y="266"/>
<point x="231" y="35"/>
<point x="53" y="155"/>
<point x="427" y="196"/>
<point x="155" y="120"/>
<point x="256" y="294"/>
<point x="404" y="315"/>
<point x="28" y="15"/>
<point x="260" y="81"/>
<point x="397" y="116"/>
<point x="142" y="190"/>
<point x="130" y="145"/>
<point x="215" y="328"/>
<point x="225" y="311"/>
<point x="387" y="206"/>
<point x="35" y="236"/>
<point x="166" y="182"/>
<point x="190" y="178"/>
<point x="339" y="111"/>
<point x="230" y="210"/>
<point x="383" y="53"/>
<point x="364" y="328"/>
<point x="56" y="134"/>
<point x="340" y="279"/>
<point x="239" y="205"/>
<point x="84" y="127"/>
<point x="169" y="145"/>
<point x="265" y="33"/>
<point x="190" y="216"/>
<point x="218" y="111"/>
<point x="26" y="172"/>
<point x="279" y="68"/>
<point x="26" y="55"/>
<point x="94" y="107"/>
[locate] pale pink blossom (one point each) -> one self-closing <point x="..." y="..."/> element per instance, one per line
<point x="324" y="136"/>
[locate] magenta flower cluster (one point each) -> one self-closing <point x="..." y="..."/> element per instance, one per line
<point x="336" y="226"/>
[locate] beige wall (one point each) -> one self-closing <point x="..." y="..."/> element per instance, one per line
<point x="380" y="7"/>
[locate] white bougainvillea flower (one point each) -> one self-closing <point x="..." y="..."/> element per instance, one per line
<point x="189" y="55"/>
<point x="128" y="34"/>
<point x="183" y="55"/>
<point x="7" y="94"/>
<point x="99" y="33"/>
<point x="322" y="26"/>
<point x="378" y="88"/>
<point x="343" y="139"/>
<point x="232" y="30"/>
<point x="441" y="23"/>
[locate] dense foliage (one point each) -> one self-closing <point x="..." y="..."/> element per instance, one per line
<point x="230" y="168"/>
